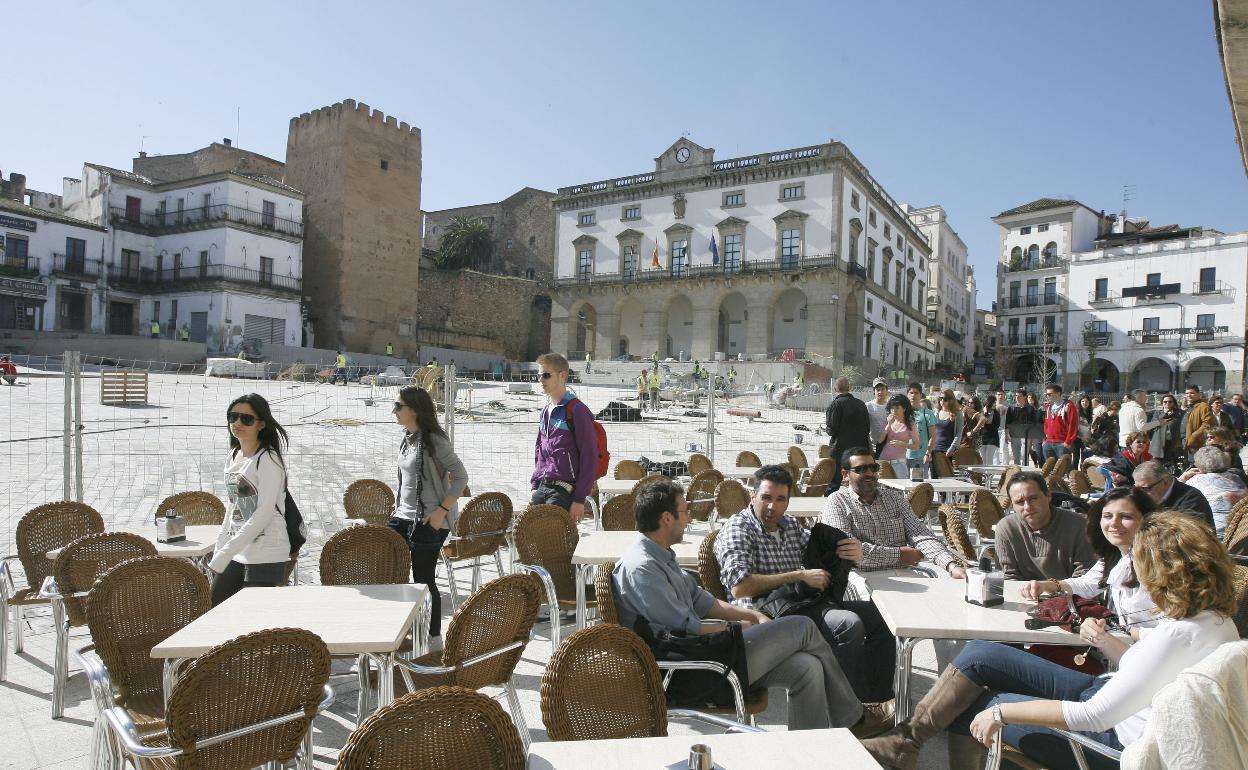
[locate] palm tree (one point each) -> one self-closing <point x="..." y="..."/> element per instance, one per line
<point x="466" y="244"/>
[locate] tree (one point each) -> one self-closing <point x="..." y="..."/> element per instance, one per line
<point x="1044" y="371"/>
<point x="466" y="244"/>
<point x="1091" y="343"/>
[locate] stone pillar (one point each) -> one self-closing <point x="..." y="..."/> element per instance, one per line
<point x="759" y="330"/>
<point x="559" y="329"/>
<point x="607" y="337"/>
<point x="653" y="334"/>
<point x="823" y="327"/>
<point x="705" y="333"/>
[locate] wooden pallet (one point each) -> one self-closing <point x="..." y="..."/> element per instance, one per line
<point x="123" y="386"/>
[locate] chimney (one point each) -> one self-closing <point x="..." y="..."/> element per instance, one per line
<point x="227" y="142"/>
<point x="142" y="154"/>
<point x="1120" y="224"/>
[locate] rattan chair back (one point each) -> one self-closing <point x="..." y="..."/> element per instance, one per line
<point x="793" y="470"/>
<point x="699" y="463"/>
<point x="243" y="682"/>
<point x="48" y="527"/>
<point x="967" y="455"/>
<point x="825" y="451"/>
<point x="708" y="567"/>
<point x="1236" y="524"/>
<point x="1241" y="600"/>
<point x="1061" y="467"/>
<point x="920" y="498"/>
<point x="134" y="606"/>
<point x="368" y="499"/>
<point x="886" y="470"/>
<point x="604" y="592"/>
<point x="546" y="537"/>
<point x="629" y="470"/>
<point x="955" y="534"/>
<point x="481" y="528"/>
<point x="617" y="514"/>
<point x="366" y="555"/>
<point x="1010" y="471"/>
<point x="80" y="563"/>
<point x="748" y="459"/>
<point x="942" y="465"/>
<point x="985" y="513"/>
<point x="821" y="477"/>
<point x="602" y="683"/>
<point x="797" y="457"/>
<point x="643" y="483"/>
<point x="198" y="508"/>
<point x="449" y="728"/>
<point x="701" y="494"/>
<point x="1078" y="483"/>
<point x="1047" y="468"/>
<point x="731" y="498"/>
<point x="503" y="611"/>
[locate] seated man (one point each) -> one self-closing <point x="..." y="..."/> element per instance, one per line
<point x="892" y="537"/>
<point x="1170" y="494"/>
<point x="787" y="653"/>
<point x="760" y="549"/>
<point x="1038" y="541"/>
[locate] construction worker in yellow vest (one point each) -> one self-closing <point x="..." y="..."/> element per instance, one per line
<point x="185" y="333"/>
<point x="340" y="369"/>
<point x="155" y="329"/>
<point x="652" y="384"/>
<point x="643" y="390"/>
<point x="389" y="348"/>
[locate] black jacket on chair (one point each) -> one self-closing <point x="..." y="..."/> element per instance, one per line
<point x="820" y="553"/>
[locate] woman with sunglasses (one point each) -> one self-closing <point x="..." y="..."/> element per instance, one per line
<point x="1167" y="442"/>
<point x="949" y="427"/>
<point x="252" y="548"/>
<point x="901" y="434"/>
<point x="431" y="479"/>
<point x="992" y="686"/>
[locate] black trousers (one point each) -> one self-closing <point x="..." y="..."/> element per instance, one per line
<point x="237" y="576"/>
<point x="425" y="543"/>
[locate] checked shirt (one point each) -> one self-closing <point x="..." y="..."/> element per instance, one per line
<point x="744" y="548"/>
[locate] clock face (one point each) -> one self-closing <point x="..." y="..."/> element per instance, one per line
<point x="682" y="155"/>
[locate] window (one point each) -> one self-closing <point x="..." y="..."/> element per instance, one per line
<point x="732" y="253"/>
<point x="1204" y="327"/>
<point x="1050" y="329"/>
<point x="266" y="270"/>
<point x="793" y="192"/>
<point x="1042" y="228"/>
<point x="1050" y="291"/>
<point x="1102" y="288"/>
<point x="909" y="253"/>
<point x="585" y="264"/>
<point x="1030" y="336"/>
<point x="1024" y="231"/>
<point x="680" y="257"/>
<point x="207" y="201"/>
<point x="132" y="208"/>
<point x="897" y="282"/>
<point x="1050" y="251"/>
<point x="203" y="264"/>
<point x="631" y="212"/>
<point x="1033" y="257"/>
<point x="1151" y="327"/>
<point x="870" y="306"/>
<point x="1033" y="292"/>
<point x="385" y="165"/>
<point x="530" y="273"/>
<point x="1154" y="279"/>
<point x="899" y="243"/>
<point x="585" y="218"/>
<point x="1208" y="279"/>
<point x="733" y="199"/>
<point x="628" y="261"/>
<point x="177" y="264"/>
<point x="1100" y="327"/>
<point x="907" y="327"/>
<point x="509" y="244"/>
<point x="268" y="214"/>
<point x="871" y="218"/>
<point x="75" y="254"/>
<point x="180" y="206"/>
<point x="130" y="264"/>
<point x="1013" y="338"/>
<point x="790" y="248"/>
<point x="888" y="230"/>
<point x="532" y="240"/>
<point x="871" y="259"/>
<point x="853" y="201"/>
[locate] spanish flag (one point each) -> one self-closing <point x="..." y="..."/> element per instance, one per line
<point x="654" y="256"/>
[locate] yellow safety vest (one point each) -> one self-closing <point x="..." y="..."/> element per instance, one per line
<point x="342" y="362"/>
<point x="186" y="334"/>
<point x="155" y="327"/>
<point x="653" y="381"/>
<point x="641" y="383"/>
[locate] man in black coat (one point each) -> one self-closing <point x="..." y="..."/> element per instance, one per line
<point x="1171" y="494"/>
<point x="849" y="425"/>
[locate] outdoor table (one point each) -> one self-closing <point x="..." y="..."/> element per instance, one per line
<point x="990" y="472"/>
<point x="608" y="488"/>
<point x="941" y="486"/>
<point x="201" y="540"/>
<point x="806" y="507"/>
<point x="744" y="475"/>
<point x="730" y="751"/>
<point x="917" y="608"/>
<point x="367" y="621"/>
<point x="602" y="546"/>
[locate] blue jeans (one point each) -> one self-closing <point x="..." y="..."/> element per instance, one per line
<point x="339" y="373"/>
<point x="862" y="643"/>
<point x="1054" y="449"/>
<point x="550" y="494"/>
<point x="1013" y="675"/>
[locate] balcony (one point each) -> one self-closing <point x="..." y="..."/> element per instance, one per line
<point x="1024" y="264"/>
<point x="1151" y="293"/>
<point x="76" y="267"/>
<point x="201" y="217"/>
<point x="955" y="336"/>
<point x="22" y="267"/>
<point x="1034" y="300"/>
<point x="1031" y="343"/>
<point x="1103" y="299"/>
<point x="1213" y="336"/>
<point x="204" y="276"/>
<point x="1200" y="288"/>
<point x="685" y="271"/>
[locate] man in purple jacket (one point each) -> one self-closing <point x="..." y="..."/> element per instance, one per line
<point x="565" y="458"/>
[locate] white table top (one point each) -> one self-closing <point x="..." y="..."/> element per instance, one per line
<point x="937" y="609"/>
<point x="939" y="485"/>
<point x="200" y="540"/>
<point x="731" y="751"/>
<point x="600" y="546"/>
<point x="740" y="474"/>
<point x="984" y="468"/>
<point x="805" y="507"/>
<point x="609" y="487"/>
<point x="349" y="619"/>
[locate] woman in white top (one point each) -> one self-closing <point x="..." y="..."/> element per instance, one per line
<point x="991" y="686"/>
<point x="252" y="548"/>
<point x="1113" y="521"/>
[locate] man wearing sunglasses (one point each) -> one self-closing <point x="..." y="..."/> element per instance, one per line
<point x="566" y="454"/>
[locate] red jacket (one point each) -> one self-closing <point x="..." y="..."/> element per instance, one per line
<point x="1061" y="422"/>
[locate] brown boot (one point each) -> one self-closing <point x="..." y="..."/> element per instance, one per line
<point x="876" y="718"/>
<point x="966" y="753"/>
<point x="952" y="694"/>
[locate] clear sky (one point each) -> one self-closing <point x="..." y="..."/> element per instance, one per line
<point x="978" y="106"/>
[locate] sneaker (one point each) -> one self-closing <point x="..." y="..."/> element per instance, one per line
<point x="876" y="718"/>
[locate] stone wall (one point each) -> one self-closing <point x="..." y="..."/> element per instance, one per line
<point x="492" y="314"/>
<point x="213" y="159"/>
<point x="525" y="219"/>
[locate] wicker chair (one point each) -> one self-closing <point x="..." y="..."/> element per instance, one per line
<point x="132" y="607"/>
<point x="452" y="728"/>
<point x="74" y="572"/>
<point x="942" y="465"/>
<point x="1078" y="483"/>
<point x="578" y="703"/>
<point x="545" y="539"/>
<point x="825" y="452"/>
<point x="730" y="499"/>
<point x="642" y="483"/>
<point x="629" y="470"/>
<point x="1241" y="600"/>
<point x="701" y="494"/>
<point x="480" y="531"/>
<point x="370" y="500"/>
<point x="955" y="534"/>
<point x="41" y="529"/>
<point x="242" y="688"/>
<point x="985" y="513"/>
<point x="1234" y="521"/>
<point x="1010" y="472"/>
<point x="886" y="470"/>
<point x="967" y="455"/>
<point x="617" y="514"/>
<point x="1061" y="467"/>
<point x="920" y="498"/>
<point x="820" y="478"/>
<point x="365" y="556"/>
<point x="793" y="470"/>
<point x="1095" y="480"/>
<point x="748" y="460"/>
<point x="198" y="508"/>
<point x="797" y="458"/>
<point x="708" y="567"/>
<point x="1047" y="468"/>
<point x="699" y="463"/>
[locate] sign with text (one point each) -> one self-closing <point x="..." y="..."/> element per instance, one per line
<point x="17" y="223"/>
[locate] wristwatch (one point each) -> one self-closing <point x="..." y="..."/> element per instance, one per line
<point x="996" y="714"/>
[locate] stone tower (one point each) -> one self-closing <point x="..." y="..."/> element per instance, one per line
<point x="360" y="171"/>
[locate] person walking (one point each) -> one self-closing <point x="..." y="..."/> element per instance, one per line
<point x="990" y="448"/>
<point x="431" y="479"/>
<point x="849" y="425"/>
<point x="390" y="348"/>
<point x="1018" y="420"/>
<point x="652" y="384"/>
<point x="252" y="546"/>
<point x="566" y="452"/>
<point x="589" y="362"/>
<point x="643" y="390"/>
<point x="901" y="435"/>
<point x="155" y="329"/>
<point x="1061" y="424"/>
<point x="185" y="333"/>
<point x="1167" y="441"/>
<point x="950" y="425"/>
<point x="925" y="422"/>
<point x="340" y="369"/>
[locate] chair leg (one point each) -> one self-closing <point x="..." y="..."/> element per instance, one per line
<point x="60" y="666"/>
<point x="361" y="703"/>
<point x="498" y="562"/>
<point x="450" y="581"/>
<point x="517" y="713"/>
<point x="19" y="621"/>
<point x="4" y="639"/>
<point x="476" y="574"/>
<point x="306" y="761"/>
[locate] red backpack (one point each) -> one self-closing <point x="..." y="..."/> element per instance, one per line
<point x="604" y="456"/>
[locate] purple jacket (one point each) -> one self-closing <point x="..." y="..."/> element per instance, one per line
<point x="561" y="456"/>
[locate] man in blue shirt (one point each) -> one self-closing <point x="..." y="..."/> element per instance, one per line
<point x="788" y="652"/>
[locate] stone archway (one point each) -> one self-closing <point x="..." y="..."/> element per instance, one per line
<point x="1207" y="372"/>
<point x="584" y="322"/>
<point x="789" y="314"/>
<point x="1153" y="374"/>
<point x="1101" y="376"/>
<point x="679" y="326"/>
<point x="630" y="311"/>
<point x="732" y="325"/>
<point x="1030" y="369"/>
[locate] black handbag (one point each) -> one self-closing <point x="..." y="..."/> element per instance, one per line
<point x="699" y="689"/>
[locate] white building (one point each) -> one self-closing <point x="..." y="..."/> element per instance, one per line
<point x="220" y="253"/>
<point x="637" y="271"/>
<point x="1164" y="307"/>
<point x="950" y="293"/>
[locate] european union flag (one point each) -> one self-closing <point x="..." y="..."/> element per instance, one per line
<point x="714" y="251"/>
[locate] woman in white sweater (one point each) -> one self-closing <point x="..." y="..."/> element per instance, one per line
<point x="252" y="547"/>
<point x="991" y="686"/>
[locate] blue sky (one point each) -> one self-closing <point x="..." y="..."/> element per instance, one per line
<point x="978" y="106"/>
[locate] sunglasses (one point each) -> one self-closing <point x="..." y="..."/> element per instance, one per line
<point x="245" y="419"/>
<point x="398" y="405"/>
<point x="869" y="468"/>
<point x="546" y="375"/>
